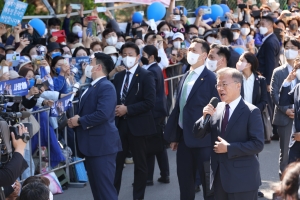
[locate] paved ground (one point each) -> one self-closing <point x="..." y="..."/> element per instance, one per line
<point x="269" y="172"/>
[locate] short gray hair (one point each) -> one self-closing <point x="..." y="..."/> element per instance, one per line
<point x="234" y="73"/>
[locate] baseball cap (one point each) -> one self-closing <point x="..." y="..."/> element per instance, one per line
<point x="178" y="35"/>
<point x="110" y="50"/>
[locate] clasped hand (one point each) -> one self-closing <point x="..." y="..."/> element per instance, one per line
<point x="73" y="122"/>
<point x="221" y="146"/>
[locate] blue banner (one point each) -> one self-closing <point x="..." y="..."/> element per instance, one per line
<point x="13" y="12"/>
<point x="17" y="87"/>
<point x="60" y="106"/>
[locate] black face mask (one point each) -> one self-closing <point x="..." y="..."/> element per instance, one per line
<point x="145" y="61"/>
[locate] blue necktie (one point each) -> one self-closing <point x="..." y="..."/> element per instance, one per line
<point x="125" y="88"/>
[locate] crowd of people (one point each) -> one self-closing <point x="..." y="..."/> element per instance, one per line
<point x="248" y="60"/>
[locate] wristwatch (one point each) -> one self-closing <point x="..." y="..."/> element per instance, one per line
<point x="78" y="121"/>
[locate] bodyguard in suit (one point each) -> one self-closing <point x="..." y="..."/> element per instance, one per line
<point x="195" y="90"/>
<point x="135" y="89"/>
<point x="287" y="97"/>
<point x="149" y="60"/>
<point x="237" y="135"/>
<point x="283" y="115"/>
<point x="97" y="134"/>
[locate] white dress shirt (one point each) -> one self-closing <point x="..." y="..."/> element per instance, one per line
<point x="248" y="85"/>
<point x="146" y="67"/>
<point x="132" y="71"/>
<point x="264" y="39"/>
<point x="164" y="62"/>
<point x="232" y="106"/>
<point x="92" y="84"/>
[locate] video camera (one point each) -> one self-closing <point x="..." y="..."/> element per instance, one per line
<point x="10" y="115"/>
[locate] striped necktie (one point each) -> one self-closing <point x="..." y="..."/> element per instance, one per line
<point x="125" y="88"/>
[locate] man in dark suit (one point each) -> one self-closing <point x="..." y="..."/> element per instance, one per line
<point x="268" y="58"/>
<point x="284" y="115"/>
<point x="195" y="90"/>
<point x="150" y="59"/>
<point x="237" y="133"/>
<point x="225" y="36"/>
<point x="97" y="135"/>
<point x="135" y="89"/>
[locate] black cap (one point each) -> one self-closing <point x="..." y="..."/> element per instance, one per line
<point x="107" y="61"/>
<point x="235" y="26"/>
<point x="52" y="46"/>
<point x="244" y="22"/>
<point x="269" y="18"/>
<point x="210" y="32"/>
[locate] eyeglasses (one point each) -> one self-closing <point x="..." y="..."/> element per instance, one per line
<point x="293" y="11"/>
<point x="224" y="85"/>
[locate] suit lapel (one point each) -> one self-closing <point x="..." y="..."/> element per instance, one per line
<point x="197" y="84"/>
<point x="235" y="116"/>
<point x="242" y="90"/>
<point x="134" y="78"/>
<point x="255" y="89"/>
<point x="88" y="92"/>
<point x="220" y="117"/>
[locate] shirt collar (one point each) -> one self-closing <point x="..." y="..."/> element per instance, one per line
<point x="147" y="66"/>
<point x="290" y="68"/>
<point x="234" y="103"/>
<point x="250" y="78"/>
<point x="132" y="70"/>
<point x="96" y="80"/>
<point x="264" y="39"/>
<point x="199" y="70"/>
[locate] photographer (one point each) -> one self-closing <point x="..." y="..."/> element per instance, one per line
<point x="14" y="168"/>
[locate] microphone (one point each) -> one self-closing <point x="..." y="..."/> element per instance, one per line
<point x="75" y="89"/>
<point x="214" y="102"/>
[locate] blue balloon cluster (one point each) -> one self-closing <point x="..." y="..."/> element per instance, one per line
<point x="216" y="11"/>
<point x="137" y="17"/>
<point x="156" y="11"/>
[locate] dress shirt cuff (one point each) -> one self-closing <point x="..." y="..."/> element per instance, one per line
<point x="286" y="84"/>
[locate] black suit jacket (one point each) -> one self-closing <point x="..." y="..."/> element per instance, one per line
<point x="140" y="101"/>
<point x="234" y="58"/>
<point x="268" y="57"/>
<point x="160" y="108"/>
<point x="259" y="95"/>
<point x="239" y="167"/>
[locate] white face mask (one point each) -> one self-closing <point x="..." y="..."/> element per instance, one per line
<point x="263" y="30"/>
<point x="201" y="30"/>
<point x="291" y="54"/>
<point x="241" y="65"/>
<point x="88" y="71"/>
<point x="129" y="61"/>
<point x="177" y="44"/>
<point x="252" y="26"/>
<point x="210" y="40"/>
<point x="53" y="30"/>
<point x="236" y="35"/>
<point x="298" y="74"/>
<point x="112" y="41"/>
<point x="217" y="41"/>
<point x="192" y="58"/>
<point x="228" y="25"/>
<point x="67" y="56"/>
<point x="167" y="34"/>
<point x="211" y="64"/>
<point x="119" y="45"/>
<point x="171" y="34"/>
<point x="76" y="29"/>
<point x="114" y="58"/>
<point x="245" y="31"/>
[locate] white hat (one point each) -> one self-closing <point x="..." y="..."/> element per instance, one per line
<point x="110" y="50"/>
<point x="24" y="60"/>
<point x="178" y="35"/>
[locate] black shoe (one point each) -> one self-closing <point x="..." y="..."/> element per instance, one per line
<point x="267" y="141"/>
<point x="197" y="188"/>
<point x="149" y="183"/>
<point x="164" y="179"/>
<point x="275" y="137"/>
<point x="260" y="194"/>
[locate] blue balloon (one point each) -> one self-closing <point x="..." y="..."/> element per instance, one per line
<point x="184" y="10"/>
<point x="156" y="11"/>
<point x="225" y="8"/>
<point x="204" y="16"/>
<point x="216" y="11"/>
<point x="137" y="17"/>
<point x="239" y="50"/>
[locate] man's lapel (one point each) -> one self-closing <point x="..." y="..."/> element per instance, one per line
<point x="235" y="116"/>
<point x="198" y="82"/>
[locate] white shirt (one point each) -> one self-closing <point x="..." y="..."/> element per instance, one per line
<point x="248" y="85"/>
<point x="132" y="71"/>
<point x="164" y="62"/>
<point x="147" y="66"/>
<point x="232" y="106"/>
<point x="195" y="76"/>
<point x="92" y="84"/>
<point x="294" y="82"/>
<point x="264" y="39"/>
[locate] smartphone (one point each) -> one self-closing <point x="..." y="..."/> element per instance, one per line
<point x="101" y="9"/>
<point x="243" y="6"/>
<point x="288" y="14"/>
<point x="139" y="34"/>
<point x="256" y="13"/>
<point x="39" y="86"/>
<point x="224" y="18"/>
<point x="181" y="11"/>
<point x="75" y="6"/>
<point x="206" y="11"/>
<point x="176" y="17"/>
<point x="14" y="58"/>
